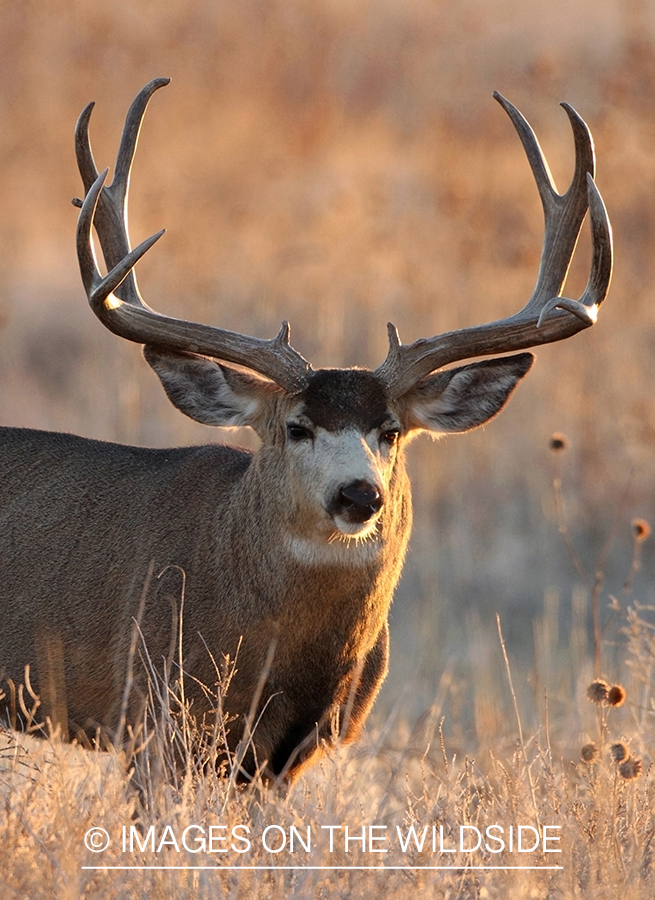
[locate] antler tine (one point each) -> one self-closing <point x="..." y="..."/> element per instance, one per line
<point x="116" y="300"/>
<point x="571" y="207"/>
<point x="600" y="276"/>
<point x="546" y="317"/>
<point x="110" y="217"/>
<point x="98" y="288"/>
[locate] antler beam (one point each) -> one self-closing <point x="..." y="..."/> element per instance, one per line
<point x="115" y="298"/>
<point x="547" y="316"/>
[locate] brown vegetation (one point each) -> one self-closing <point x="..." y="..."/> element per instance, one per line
<point x="408" y="790"/>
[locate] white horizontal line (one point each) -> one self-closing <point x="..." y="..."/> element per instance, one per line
<point x="326" y="868"/>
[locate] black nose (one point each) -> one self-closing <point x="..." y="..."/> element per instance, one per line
<point x="359" y="501"/>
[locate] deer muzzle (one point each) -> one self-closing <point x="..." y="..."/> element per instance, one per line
<point x="357" y="502"/>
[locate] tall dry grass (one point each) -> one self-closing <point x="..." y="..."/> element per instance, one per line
<point x="544" y="761"/>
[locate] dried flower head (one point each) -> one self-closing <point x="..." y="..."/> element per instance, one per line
<point x="641" y="529"/>
<point x="631" y="768"/>
<point x="558" y="442"/>
<point x="619" y="751"/>
<point x="616" y="695"/>
<point x="598" y="690"/>
<point x="589" y="752"/>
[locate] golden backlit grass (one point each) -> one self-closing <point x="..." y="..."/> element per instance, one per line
<point x="402" y="774"/>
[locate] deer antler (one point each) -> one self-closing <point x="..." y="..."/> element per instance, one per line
<point x="115" y="298"/>
<point x="547" y="316"/>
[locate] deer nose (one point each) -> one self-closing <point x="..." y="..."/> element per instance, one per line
<point x="359" y="501"/>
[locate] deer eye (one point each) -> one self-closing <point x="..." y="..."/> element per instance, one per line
<point x="298" y="432"/>
<point x="391" y="436"/>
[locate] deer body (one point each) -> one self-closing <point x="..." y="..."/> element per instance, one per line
<point x="254" y="576"/>
<point x="286" y="558"/>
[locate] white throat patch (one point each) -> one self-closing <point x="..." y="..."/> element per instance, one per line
<point x="342" y="550"/>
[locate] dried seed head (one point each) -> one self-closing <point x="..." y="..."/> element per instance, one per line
<point x="641" y="529"/>
<point x="589" y="752"/>
<point x="619" y="751"/>
<point x="631" y="768"/>
<point x="558" y="442"/>
<point x="597" y="691"/>
<point x="616" y="695"/>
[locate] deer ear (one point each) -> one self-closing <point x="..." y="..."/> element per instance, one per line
<point x="209" y="392"/>
<point x="461" y="399"/>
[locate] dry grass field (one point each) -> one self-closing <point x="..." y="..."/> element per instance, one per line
<point x="341" y="165"/>
<point x="426" y="806"/>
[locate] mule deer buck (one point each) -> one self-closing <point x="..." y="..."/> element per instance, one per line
<point x="291" y="553"/>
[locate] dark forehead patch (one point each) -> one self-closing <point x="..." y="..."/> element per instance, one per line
<point x="339" y="398"/>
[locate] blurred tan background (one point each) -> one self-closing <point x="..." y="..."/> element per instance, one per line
<point x="341" y="164"/>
